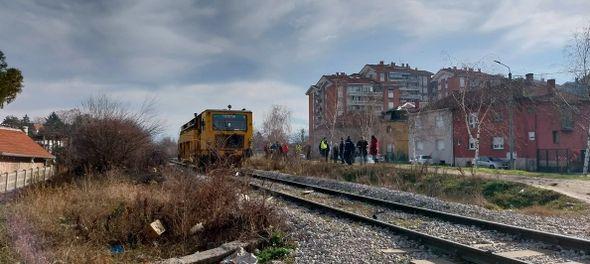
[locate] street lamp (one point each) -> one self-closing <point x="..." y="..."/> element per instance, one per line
<point x="510" y="116"/>
<point x="508" y="67"/>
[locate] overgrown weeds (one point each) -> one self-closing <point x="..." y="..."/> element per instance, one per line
<point x="465" y="188"/>
<point x="82" y="218"/>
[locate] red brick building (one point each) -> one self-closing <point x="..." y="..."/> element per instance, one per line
<point x="549" y="134"/>
<point x="448" y="80"/>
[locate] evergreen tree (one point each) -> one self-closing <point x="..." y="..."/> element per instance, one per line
<point x="11" y="121"/>
<point x="53" y="127"/>
<point x="11" y="82"/>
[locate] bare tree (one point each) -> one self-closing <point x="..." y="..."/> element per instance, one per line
<point x="475" y="104"/>
<point x="276" y="126"/>
<point x="579" y="56"/>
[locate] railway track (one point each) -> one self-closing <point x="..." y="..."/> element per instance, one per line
<point x="359" y="207"/>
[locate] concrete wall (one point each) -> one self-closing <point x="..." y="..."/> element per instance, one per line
<point x="11" y="164"/>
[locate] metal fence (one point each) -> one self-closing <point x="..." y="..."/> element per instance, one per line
<point x="558" y="160"/>
<point x="17" y="179"/>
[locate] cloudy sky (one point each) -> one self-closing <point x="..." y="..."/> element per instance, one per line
<point x="192" y="55"/>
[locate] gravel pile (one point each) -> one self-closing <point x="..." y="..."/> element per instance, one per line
<point x="578" y="226"/>
<point x="324" y="238"/>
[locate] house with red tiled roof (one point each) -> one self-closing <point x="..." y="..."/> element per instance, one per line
<point x="19" y="152"/>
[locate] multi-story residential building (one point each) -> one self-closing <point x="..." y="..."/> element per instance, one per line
<point x="377" y="88"/>
<point x="335" y="96"/>
<point x="400" y="83"/>
<point x="448" y="80"/>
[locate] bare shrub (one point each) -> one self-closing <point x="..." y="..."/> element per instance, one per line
<point x="108" y="135"/>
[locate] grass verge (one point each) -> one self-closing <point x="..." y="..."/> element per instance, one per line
<point x="492" y="194"/>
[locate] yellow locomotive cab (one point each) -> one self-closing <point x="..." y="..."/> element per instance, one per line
<point x="215" y="135"/>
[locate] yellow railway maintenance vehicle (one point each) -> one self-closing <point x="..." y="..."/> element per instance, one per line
<point x="215" y="135"/>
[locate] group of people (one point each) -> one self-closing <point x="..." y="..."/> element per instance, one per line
<point x="276" y="150"/>
<point x="346" y="151"/>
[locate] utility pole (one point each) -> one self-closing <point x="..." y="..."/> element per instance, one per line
<point x="510" y="115"/>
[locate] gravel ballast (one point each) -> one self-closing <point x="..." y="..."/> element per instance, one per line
<point x="578" y="226"/>
<point x="325" y="238"/>
<point x="468" y="235"/>
<point x="464" y="234"/>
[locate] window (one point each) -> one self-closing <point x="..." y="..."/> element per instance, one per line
<point x="567" y="120"/>
<point x="390" y="105"/>
<point x="419" y="146"/>
<point x="390" y="94"/>
<point x="555" y="137"/>
<point x="471" y="143"/>
<point x="439" y="121"/>
<point x="229" y="122"/>
<point x="461" y="82"/>
<point x="498" y="117"/>
<point x="531" y="136"/>
<point x="440" y="145"/>
<point x="382" y="77"/>
<point x="498" y="143"/>
<point x="473" y="120"/>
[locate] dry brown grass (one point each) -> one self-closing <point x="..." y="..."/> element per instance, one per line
<point x="78" y="220"/>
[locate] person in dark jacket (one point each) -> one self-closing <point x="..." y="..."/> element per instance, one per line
<point x="341" y="148"/>
<point x="335" y="153"/>
<point x="362" y="146"/>
<point x="374" y="148"/>
<point x="348" y="151"/>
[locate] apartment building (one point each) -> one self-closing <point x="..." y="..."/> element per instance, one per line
<point x="400" y="83"/>
<point x="376" y="89"/>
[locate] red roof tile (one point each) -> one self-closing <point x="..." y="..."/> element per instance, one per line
<point x="14" y="143"/>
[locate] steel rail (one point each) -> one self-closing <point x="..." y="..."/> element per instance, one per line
<point x="455" y="249"/>
<point x="526" y="233"/>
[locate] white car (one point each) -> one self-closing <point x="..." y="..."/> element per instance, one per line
<point x="422" y="159"/>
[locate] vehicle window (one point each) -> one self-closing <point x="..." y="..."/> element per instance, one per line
<point x="230" y="122"/>
<point x="427" y="157"/>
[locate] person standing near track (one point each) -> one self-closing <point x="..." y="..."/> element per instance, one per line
<point x="324" y="148"/>
<point x="341" y="149"/>
<point x="374" y="148"/>
<point x="348" y="151"/>
<point x="362" y="146"/>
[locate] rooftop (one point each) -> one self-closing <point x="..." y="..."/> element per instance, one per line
<point x="15" y="143"/>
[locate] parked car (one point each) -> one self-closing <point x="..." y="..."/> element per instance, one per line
<point x="422" y="159"/>
<point x="492" y="163"/>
